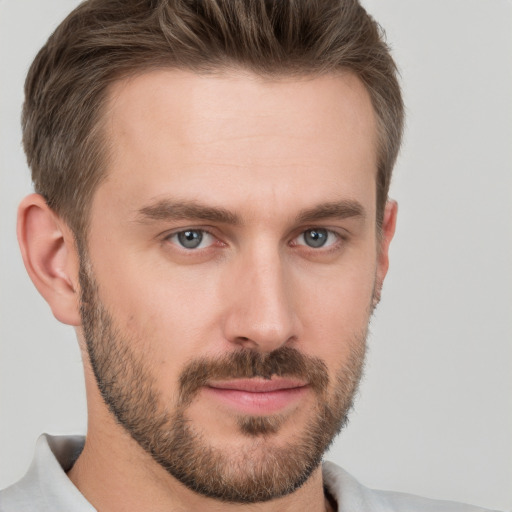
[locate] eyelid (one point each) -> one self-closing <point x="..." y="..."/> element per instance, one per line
<point x="168" y="236"/>
<point x="339" y="237"/>
<point x="187" y="227"/>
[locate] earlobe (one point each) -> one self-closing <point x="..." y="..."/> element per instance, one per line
<point x="48" y="250"/>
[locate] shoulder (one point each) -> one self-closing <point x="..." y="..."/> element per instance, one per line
<point x="352" y="496"/>
<point x="46" y="487"/>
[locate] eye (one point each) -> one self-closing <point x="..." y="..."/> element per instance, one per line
<point x="192" y="239"/>
<point x="317" y="237"/>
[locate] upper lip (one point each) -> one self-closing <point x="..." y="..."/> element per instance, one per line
<point x="258" y="385"/>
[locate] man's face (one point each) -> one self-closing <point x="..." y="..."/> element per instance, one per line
<point x="231" y="267"/>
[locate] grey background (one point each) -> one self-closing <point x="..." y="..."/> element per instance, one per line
<point x="434" y="415"/>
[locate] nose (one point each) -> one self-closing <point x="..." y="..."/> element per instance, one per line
<point x="261" y="314"/>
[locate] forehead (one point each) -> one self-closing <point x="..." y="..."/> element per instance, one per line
<point x="177" y="132"/>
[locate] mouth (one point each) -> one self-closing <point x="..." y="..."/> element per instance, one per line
<point x="257" y="396"/>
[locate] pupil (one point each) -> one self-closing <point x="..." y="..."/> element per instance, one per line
<point x="315" y="237"/>
<point x="190" y="239"/>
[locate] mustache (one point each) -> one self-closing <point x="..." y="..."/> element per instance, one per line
<point x="246" y="364"/>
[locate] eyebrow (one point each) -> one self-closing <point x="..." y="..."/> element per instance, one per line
<point x="169" y="210"/>
<point x="343" y="209"/>
<point x="166" y="209"/>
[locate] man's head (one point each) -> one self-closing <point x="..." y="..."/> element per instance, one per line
<point x="229" y="245"/>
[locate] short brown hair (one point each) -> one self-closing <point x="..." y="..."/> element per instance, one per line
<point x="102" y="41"/>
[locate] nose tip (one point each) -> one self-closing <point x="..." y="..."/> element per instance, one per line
<point x="264" y="337"/>
<point x="261" y="315"/>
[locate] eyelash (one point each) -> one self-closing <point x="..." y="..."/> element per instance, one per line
<point x="330" y="233"/>
<point x="339" y="239"/>
<point x="202" y="231"/>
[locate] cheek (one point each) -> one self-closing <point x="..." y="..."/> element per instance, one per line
<point x="341" y="299"/>
<point x="335" y="314"/>
<point x="160" y="317"/>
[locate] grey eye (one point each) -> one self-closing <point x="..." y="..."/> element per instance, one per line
<point x="315" y="237"/>
<point x="190" y="239"/>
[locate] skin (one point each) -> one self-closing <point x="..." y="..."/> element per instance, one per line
<point x="264" y="151"/>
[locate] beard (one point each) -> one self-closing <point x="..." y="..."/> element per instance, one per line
<point x="260" y="471"/>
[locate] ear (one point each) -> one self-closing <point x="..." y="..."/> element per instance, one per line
<point x="387" y="232"/>
<point x="48" y="249"/>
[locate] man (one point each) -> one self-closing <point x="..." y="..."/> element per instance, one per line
<point x="212" y="217"/>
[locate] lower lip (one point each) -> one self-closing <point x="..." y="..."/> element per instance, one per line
<point x="249" y="402"/>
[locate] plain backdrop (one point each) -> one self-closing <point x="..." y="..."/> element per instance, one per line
<point x="434" y="413"/>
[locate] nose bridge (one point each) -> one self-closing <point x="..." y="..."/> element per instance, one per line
<point x="261" y="315"/>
